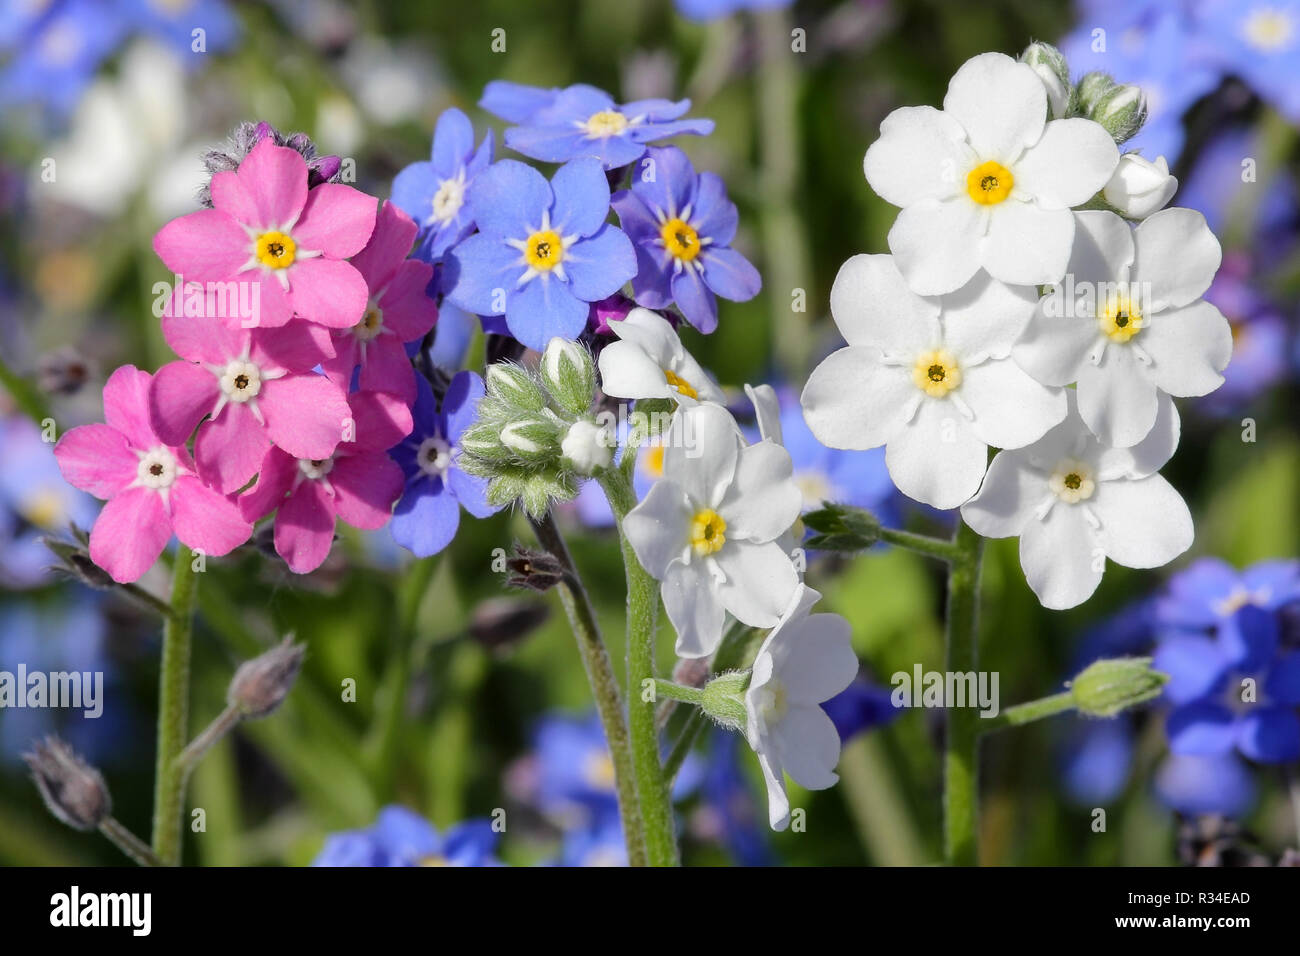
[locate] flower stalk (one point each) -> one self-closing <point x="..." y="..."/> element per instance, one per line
<point x="961" y="742"/>
<point x="173" y="711"/>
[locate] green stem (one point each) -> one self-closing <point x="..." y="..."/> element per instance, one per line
<point x="961" y="750"/>
<point x="1029" y="712"/>
<point x="666" y="688"/>
<point x="642" y="614"/>
<point x="921" y="543"/>
<point x="128" y="842"/>
<point x="604" y="685"/>
<point x="173" y="711"/>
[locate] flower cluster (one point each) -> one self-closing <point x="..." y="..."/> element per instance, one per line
<point x="998" y="294"/>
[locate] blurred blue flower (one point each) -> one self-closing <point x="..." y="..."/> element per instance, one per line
<point x="34" y="501"/>
<point x="728" y="814"/>
<point x="682" y="225"/>
<point x="1260" y="339"/>
<point x="859" y="707"/>
<point x="1096" y="759"/>
<point x="716" y="9"/>
<point x="1257" y="41"/>
<point x="543" y="251"/>
<point x="598" y="844"/>
<point x="401" y="837"/>
<point x="57" y="48"/>
<point x="1215" y="188"/>
<point x="173" y="23"/>
<point x="428" y="513"/>
<point x="1199" y="786"/>
<point x="582" y="121"/>
<point x="436" y="193"/>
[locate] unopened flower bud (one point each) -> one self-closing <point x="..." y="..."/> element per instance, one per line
<point x="74" y="561"/>
<point x="534" y="570"/>
<point x="1140" y="187"/>
<point x="502" y="622"/>
<point x="1105" y="688"/>
<point x="724" y="699"/>
<point x="513" y="385"/>
<point x="1121" y="112"/>
<point x="532" y="439"/>
<point x="588" y="447"/>
<point x="542" y="488"/>
<point x="72" y="790"/>
<point x="261" y="685"/>
<point x="1091" y="89"/>
<point x="1047" y="61"/>
<point x="691" y="671"/>
<point x="569" y="375"/>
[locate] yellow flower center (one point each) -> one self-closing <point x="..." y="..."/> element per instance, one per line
<point x="683" y="387"/>
<point x="708" y="532"/>
<point x="1120" y="319"/>
<point x="1268" y="29"/>
<point x="276" y="249"/>
<point x="605" y="124"/>
<point x="598" y="770"/>
<point x="1072" y="481"/>
<point x="654" y="461"/>
<point x="936" y="373"/>
<point x="989" y="183"/>
<point x="370" y="325"/>
<point x="44" y="509"/>
<point x="544" y="250"/>
<point x="680" y="239"/>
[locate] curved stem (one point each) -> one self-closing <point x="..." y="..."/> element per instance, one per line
<point x="604" y="686"/>
<point x="1029" y="712"/>
<point x="961" y="750"/>
<point x="173" y="711"/>
<point x="642" y="614"/>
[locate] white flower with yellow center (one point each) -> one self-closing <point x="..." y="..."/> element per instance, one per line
<point x="1075" y="502"/>
<point x="1135" y="324"/>
<point x="987" y="181"/>
<point x="805" y="660"/>
<point x="649" y="361"/>
<point x="707" y="531"/>
<point x="928" y="378"/>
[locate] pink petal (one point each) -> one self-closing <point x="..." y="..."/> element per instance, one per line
<point x="274" y="480"/>
<point x="387" y="369"/>
<point x="199" y="339"/>
<point x="230" y="447"/>
<point x="298" y="346"/>
<point x="97" y="459"/>
<point x="337" y="221"/>
<point x="181" y="394"/>
<point x="304" y="528"/>
<point x="388" y="247"/>
<point x="327" y="291"/>
<point x="305" y="414"/>
<point x="126" y="406"/>
<point x="365" y="486"/>
<point x="231" y="197"/>
<point x="272" y="307"/>
<point x="204" y="246"/>
<point x="347" y="354"/>
<point x="275" y="180"/>
<point x="130" y="533"/>
<point x="408" y="311"/>
<point x="206" y="520"/>
<point x="379" y="421"/>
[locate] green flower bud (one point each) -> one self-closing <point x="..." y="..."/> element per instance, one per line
<point x="724" y="699"/>
<point x="534" y="439"/>
<point x="842" y="528"/>
<point x="569" y="375"/>
<point x="514" y="386"/>
<point x="506" y="486"/>
<point x="1091" y="89"/>
<point x="1121" y="112"/>
<point x="1047" y="61"/>
<point x="1104" y="688"/>
<point x="541" y="488"/>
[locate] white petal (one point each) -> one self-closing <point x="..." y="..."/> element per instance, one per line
<point x="693" y="608"/>
<point x="936" y="244"/>
<point x="1011" y="409"/>
<point x="1053" y="348"/>
<point x="1062" y="559"/>
<point x="1001" y="104"/>
<point x="1150" y="454"/>
<point x="700" y="452"/>
<point x="659" y="527"/>
<point x="762" y="501"/>
<point x="937" y="458"/>
<point x="1144" y="523"/>
<point x="808" y="746"/>
<point x="921" y="154"/>
<point x="778" y="804"/>
<point x="694" y="375"/>
<point x="1070" y="438"/>
<point x="1008" y="499"/>
<point x="1189" y="347"/>
<point x="1069" y="165"/>
<point x="986" y="316"/>
<point x="626" y="371"/>
<point x="853" y="401"/>
<point x="814" y="658"/>
<point x="872" y="305"/>
<point x="1027" y="244"/>
<point x="1117" y="399"/>
<point x="767" y="411"/>
<point x="1176" y="258"/>
<point x="1103" y="249"/>
<point x="760" y="581"/>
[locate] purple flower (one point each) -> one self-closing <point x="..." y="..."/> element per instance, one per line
<point x="1260" y="337"/>
<point x="401" y="837"/>
<point x="428" y="512"/>
<point x="543" y="252"/>
<point x="435" y="193"/>
<point x="1260" y="42"/>
<point x="582" y="121"/>
<point x="682" y="225"/>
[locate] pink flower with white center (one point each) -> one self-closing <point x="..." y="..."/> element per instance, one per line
<point x="151" y="485"/>
<point x="398" y="311"/>
<point x="256" y="388"/>
<point x="359" y="483"/>
<point x="267" y="228"/>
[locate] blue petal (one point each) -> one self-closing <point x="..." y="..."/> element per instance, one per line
<point x="1097" y="761"/>
<point x="650" y="132"/>
<point x="482" y="274"/>
<point x="1195" y="667"/>
<point x="355" y="848"/>
<point x="1283" y="683"/>
<point x="713" y="215"/>
<point x="452" y="335"/>
<point x="453" y="141"/>
<point x="655" y="110"/>
<point x="664" y="180"/>
<point x="426" y="517"/>
<point x="460" y="404"/>
<point x="581" y="198"/>
<point x="597" y="267"/>
<point x="413" y="191"/>
<point x="470" y="843"/>
<point x="861" y="706"/>
<point x="1276" y="582"/>
<point x="471" y="492"/>
<point x="1201" y="729"/>
<point x="508" y="199"/>
<point x="575" y="103"/>
<point x="544" y="309"/>
<point x="1205" y="785"/>
<point x="1269" y="735"/>
<point x="515" y="102"/>
<point x="424" y="412"/>
<point x="406" y="835"/>
<point x="1194" y="592"/>
<point x="551" y="144"/>
<point x="1249" y="638"/>
<point x="731" y="275"/>
<point x="634" y="218"/>
<point x="696" y="302"/>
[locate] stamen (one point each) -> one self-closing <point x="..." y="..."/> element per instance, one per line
<point x="680" y="239"/>
<point x="708" y="532"/>
<point x="989" y="183"/>
<point x="936" y="373"/>
<point x="275" y="250"/>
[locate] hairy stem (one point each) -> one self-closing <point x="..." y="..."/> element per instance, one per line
<point x="173" y="711"/>
<point x="128" y="842"/>
<point x="961" y="747"/>
<point x="1029" y="712"/>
